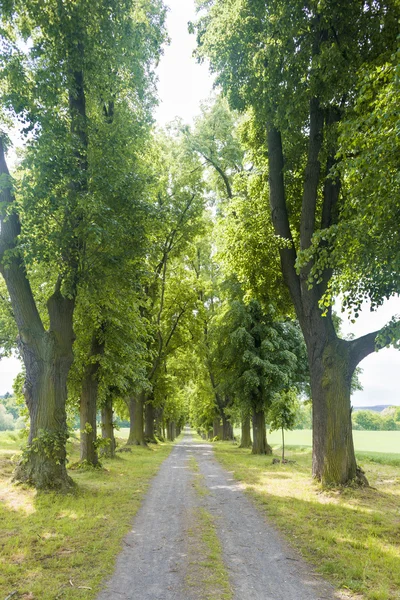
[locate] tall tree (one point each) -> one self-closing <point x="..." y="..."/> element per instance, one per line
<point x="294" y="66"/>
<point x="81" y="62"/>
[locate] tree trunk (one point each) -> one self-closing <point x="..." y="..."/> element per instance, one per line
<point x="171" y="430"/>
<point x="107" y="428"/>
<point x="283" y="444"/>
<point x="159" y="424"/>
<point x="227" y="429"/>
<point x="136" y="408"/>
<point x="168" y="428"/>
<point x="47" y="364"/>
<point x="88" y="405"/>
<point x="149" y="423"/>
<point x="333" y="451"/>
<point x="260" y="445"/>
<point x="47" y="356"/>
<point x="217" y="428"/>
<point x="245" y="440"/>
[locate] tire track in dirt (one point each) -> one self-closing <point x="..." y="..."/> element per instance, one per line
<point x="156" y="562"/>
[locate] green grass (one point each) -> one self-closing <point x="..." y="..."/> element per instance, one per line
<point x="62" y="547"/>
<point x="207" y="574"/>
<point x="364" y="441"/>
<point x="352" y="536"/>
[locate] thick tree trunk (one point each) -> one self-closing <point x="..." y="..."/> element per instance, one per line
<point x="245" y="440"/>
<point x="136" y="408"/>
<point x="47" y="356"/>
<point x="88" y="425"/>
<point x="149" y="423"/>
<point x="227" y="429"/>
<point x="217" y="428"/>
<point x="47" y="361"/>
<point x="107" y="428"/>
<point x="88" y="406"/>
<point x="171" y="430"/>
<point x="333" y="451"/>
<point x="260" y="445"/>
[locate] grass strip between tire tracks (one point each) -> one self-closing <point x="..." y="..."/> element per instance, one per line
<point x="206" y="574"/>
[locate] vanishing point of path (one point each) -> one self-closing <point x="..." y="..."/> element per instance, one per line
<point x="159" y="554"/>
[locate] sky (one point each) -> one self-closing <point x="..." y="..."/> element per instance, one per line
<point x="183" y="85"/>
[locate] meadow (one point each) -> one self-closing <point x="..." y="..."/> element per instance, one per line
<point x="387" y="442"/>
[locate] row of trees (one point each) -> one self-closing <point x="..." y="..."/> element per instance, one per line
<point x="368" y="420"/>
<point x="317" y="83"/>
<point x="124" y="290"/>
<point x="94" y="221"/>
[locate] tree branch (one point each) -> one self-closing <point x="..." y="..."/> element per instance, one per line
<point x="221" y="173"/>
<point x="311" y="175"/>
<point x="361" y="347"/>
<point x="279" y="215"/>
<point x="13" y="268"/>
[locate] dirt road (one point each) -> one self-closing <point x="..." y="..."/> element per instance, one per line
<point x="158" y="561"/>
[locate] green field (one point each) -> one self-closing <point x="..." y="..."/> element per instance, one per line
<point x="387" y="442"/>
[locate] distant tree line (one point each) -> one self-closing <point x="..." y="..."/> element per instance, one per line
<point x="369" y="420"/>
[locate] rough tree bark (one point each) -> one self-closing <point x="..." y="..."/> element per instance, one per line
<point x="260" y="445"/>
<point x="136" y="409"/>
<point x="217" y="428"/>
<point x="107" y="428"/>
<point x="149" y="432"/>
<point x="171" y="430"/>
<point x="88" y="404"/>
<point x="227" y="429"/>
<point x="245" y="439"/>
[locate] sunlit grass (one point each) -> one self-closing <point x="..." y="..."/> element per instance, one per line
<point x="351" y="535"/>
<point x="206" y="575"/>
<point x="62" y="547"/>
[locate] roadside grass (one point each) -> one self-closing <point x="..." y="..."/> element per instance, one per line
<point x="351" y="535"/>
<point x="207" y="575"/>
<point x="63" y="546"/>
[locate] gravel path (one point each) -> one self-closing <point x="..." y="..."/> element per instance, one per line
<point x="154" y="561"/>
